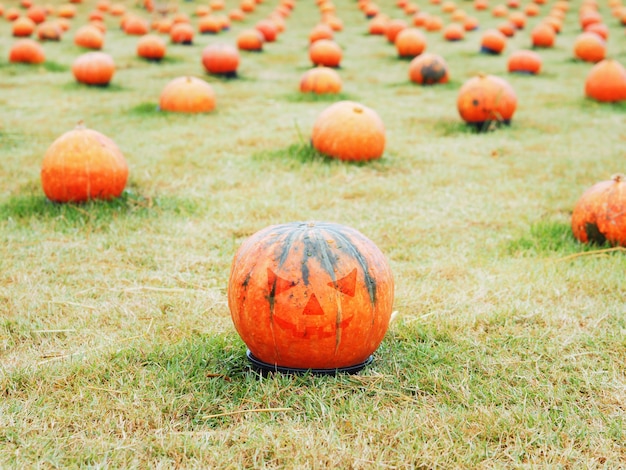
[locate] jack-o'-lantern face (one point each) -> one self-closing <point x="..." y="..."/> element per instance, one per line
<point x="310" y="295"/>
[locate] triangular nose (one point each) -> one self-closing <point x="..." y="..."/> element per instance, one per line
<point x="313" y="307"/>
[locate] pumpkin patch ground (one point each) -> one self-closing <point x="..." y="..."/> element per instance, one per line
<point x="504" y="344"/>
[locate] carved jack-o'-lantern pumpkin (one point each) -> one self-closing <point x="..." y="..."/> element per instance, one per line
<point x="310" y="295"/>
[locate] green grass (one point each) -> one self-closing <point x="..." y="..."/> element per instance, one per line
<point x="117" y="349"/>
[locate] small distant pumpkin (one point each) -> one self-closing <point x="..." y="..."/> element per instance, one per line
<point x="393" y="28"/>
<point x="135" y="25"/>
<point x="543" y="35"/>
<point x="94" y="68"/>
<point x="182" y="33"/>
<point x="83" y="164"/>
<point x="606" y="81"/>
<point x="221" y="59"/>
<point x="325" y="52"/>
<point x="599" y="215"/>
<point x="589" y="47"/>
<point x="151" y="47"/>
<point x="320" y="80"/>
<point x="524" y="61"/>
<point x="49" y="31"/>
<point x="485" y="100"/>
<point x="410" y="42"/>
<point x="454" y="32"/>
<point x="268" y="30"/>
<point x="89" y="37"/>
<point x="27" y="51"/>
<point x="321" y="31"/>
<point x="428" y="69"/>
<point x="492" y="42"/>
<point x="347" y="130"/>
<point x="250" y="40"/>
<point x="23" y="27"/>
<point x="187" y="95"/>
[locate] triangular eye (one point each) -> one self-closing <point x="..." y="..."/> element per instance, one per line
<point x="346" y="285"/>
<point x="277" y="285"/>
<point x="313" y="307"/>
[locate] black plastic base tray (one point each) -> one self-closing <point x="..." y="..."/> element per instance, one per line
<point x="265" y="367"/>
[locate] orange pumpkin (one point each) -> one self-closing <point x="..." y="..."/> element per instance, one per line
<point x="151" y="47"/>
<point x="325" y="52"/>
<point x="499" y="11"/>
<point x="543" y="35"/>
<point x="433" y="23"/>
<point x="94" y="68"/>
<point x="486" y="99"/>
<point x="250" y="40"/>
<point x="310" y="295"/>
<point x="393" y="28"/>
<point x="135" y="25"/>
<point x="492" y="42"/>
<point x="37" y="14"/>
<point x="507" y="28"/>
<point x="320" y="31"/>
<point x="600" y="29"/>
<point x="182" y="33"/>
<point x="12" y="14"/>
<point x="236" y="14"/>
<point x="410" y="42"/>
<point x="83" y="164"/>
<point x="518" y="19"/>
<point x="349" y="131"/>
<point x="221" y="59"/>
<point x="267" y="29"/>
<point x="89" y="36"/>
<point x="320" y="80"/>
<point x="589" y="47"/>
<point x="524" y="62"/>
<point x="23" y="27"/>
<point x="247" y="6"/>
<point x="420" y="19"/>
<point x="606" y="81"/>
<point x="187" y="95"/>
<point x="26" y="51"/>
<point x="470" y="23"/>
<point x="49" y="31"/>
<point x="428" y="69"/>
<point x="531" y="9"/>
<point x="453" y="32"/>
<point x="67" y="11"/>
<point x="599" y="216"/>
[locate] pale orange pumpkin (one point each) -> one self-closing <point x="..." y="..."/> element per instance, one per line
<point x="187" y="95"/>
<point x="83" y="164"/>
<point x="606" y="81"/>
<point x="347" y="130"/>
<point x="26" y="51"/>
<point x="94" y="68"/>
<point x="320" y="80"/>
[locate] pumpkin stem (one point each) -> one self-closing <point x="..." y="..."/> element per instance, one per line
<point x="618" y="177"/>
<point x="357" y="110"/>
<point x="80" y="125"/>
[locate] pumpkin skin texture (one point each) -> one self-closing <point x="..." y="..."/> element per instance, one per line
<point x="250" y="40"/>
<point x="151" y="47"/>
<point x="524" y="62"/>
<point x="325" y="52"/>
<point x="543" y="35"/>
<point x="428" y="69"/>
<point x="320" y="80"/>
<point x="410" y="42"/>
<point x="606" y="81"/>
<point x="349" y="131"/>
<point x="94" y="68"/>
<point x="83" y="164"/>
<point x="492" y="42"/>
<point x="187" y="95"/>
<point x="89" y="36"/>
<point x="310" y="295"/>
<point x="486" y="99"/>
<point x="589" y="47"/>
<point x="221" y="59"/>
<point x="599" y="216"/>
<point x="26" y="51"/>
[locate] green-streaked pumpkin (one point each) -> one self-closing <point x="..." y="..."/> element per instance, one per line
<point x="310" y="295"/>
<point x="599" y="216"/>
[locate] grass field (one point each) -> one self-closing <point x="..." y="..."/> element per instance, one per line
<point x="117" y="349"/>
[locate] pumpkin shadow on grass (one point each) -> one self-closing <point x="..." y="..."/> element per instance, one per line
<point x="303" y="153"/>
<point x="94" y="214"/>
<point x="13" y="69"/>
<point x="108" y="88"/>
<point x="549" y="237"/>
<point x="449" y="128"/>
<point x="299" y="97"/>
<point x="589" y="104"/>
